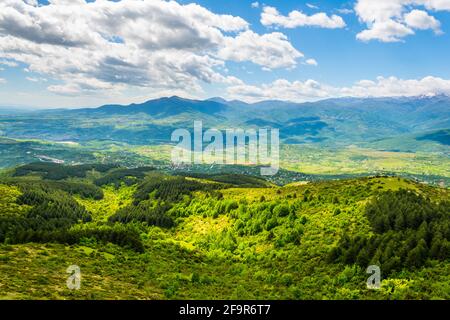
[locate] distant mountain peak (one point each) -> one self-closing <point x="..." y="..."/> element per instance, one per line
<point x="171" y="98"/>
<point x="234" y="102"/>
<point x="218" y="99"/>
<point x="165" y="107"/>
<point x="179" y="98"/>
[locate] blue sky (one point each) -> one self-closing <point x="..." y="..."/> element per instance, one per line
<point x="343" y="59"/>
<point x="288" y="50"/>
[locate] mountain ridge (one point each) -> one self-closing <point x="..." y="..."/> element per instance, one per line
<point x="338" y="121"/>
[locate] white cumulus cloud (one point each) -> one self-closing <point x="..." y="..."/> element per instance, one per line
<point x="396" y="87"/>
<point x="392" y="20"/>
<point x="271" y="17"/>
<point x="281" y="89"/>
<point x="419" y="19"/>
<point x="104" y="45"/>
<point x="310" y="90"/>
<point x="311" y="62"/>
<point x="386" y="31"/>
<point x="269" y="50"/>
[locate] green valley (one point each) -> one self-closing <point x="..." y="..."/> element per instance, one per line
<point x="145" y="234"/>
<point x="358" y="185"/>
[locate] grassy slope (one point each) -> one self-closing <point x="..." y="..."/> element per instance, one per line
<point x="314" y="160"/>
<point x="204" y="257"/>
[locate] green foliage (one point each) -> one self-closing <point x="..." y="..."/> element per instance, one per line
<point x="54" y="171"/>
<point x="409" y="231"/>
<point x="51" y="207"/>
<point x="169" y="188"/>
<point x="152" y="215"/>
<point x="234" y="180"/>
<point x="174" y="237"/>
<point x="122" y="235"/>
<point x="126" y="176"/>
<point x="50" y="210"/>
<point x="84" y="190"/>
<point x="53" y="217"/>
<point x="281" y="210"/>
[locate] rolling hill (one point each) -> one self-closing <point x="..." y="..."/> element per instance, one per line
<point x="143" y="234"/>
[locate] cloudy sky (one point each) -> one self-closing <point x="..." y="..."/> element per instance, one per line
<point x="73" y="53"/>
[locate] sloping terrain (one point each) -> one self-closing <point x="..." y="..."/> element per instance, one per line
<point x="143" y="234"/>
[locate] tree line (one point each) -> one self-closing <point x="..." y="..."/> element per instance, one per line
<point x="56" y="171"/>
<point x="169" y="188"/>
<point x="408" y="230"/>
<point x="54" y="216"/>
<point x="128" y="177"/>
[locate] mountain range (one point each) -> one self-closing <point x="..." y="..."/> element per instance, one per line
<point x="340" y="121"/>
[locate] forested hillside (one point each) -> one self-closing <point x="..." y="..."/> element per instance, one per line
<point x="146" y="234"/>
